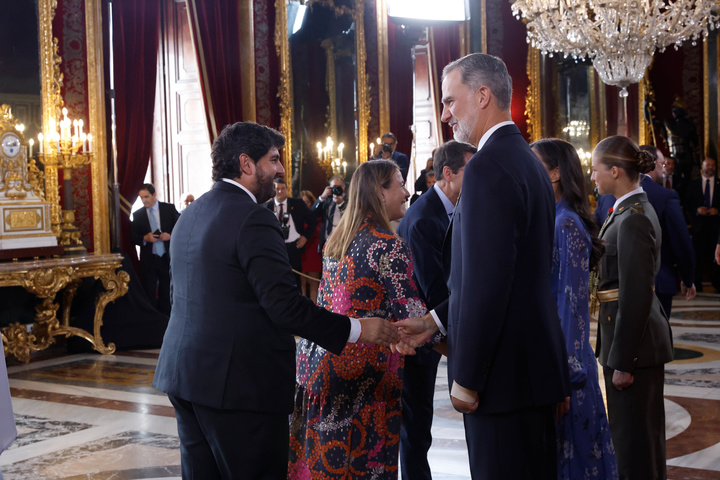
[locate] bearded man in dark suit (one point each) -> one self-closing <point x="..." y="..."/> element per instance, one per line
<point x="423" y="228"/>
<point x="227" y="361"/>
<point x="507" y="363"/>
<point x="151" y="229"/>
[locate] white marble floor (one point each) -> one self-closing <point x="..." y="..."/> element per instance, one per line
<point x="97" y="417"/>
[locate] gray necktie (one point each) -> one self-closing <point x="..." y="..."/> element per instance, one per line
<point x="159" y="245"/>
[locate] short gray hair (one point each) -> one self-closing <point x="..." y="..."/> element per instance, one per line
<point x="478" y="70"/>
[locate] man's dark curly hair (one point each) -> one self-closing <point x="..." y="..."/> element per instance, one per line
<point x="249" y="138"/>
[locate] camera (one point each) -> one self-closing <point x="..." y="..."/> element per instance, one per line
<point x="338" y="191"/>
<point x="387" y="148"/>
<point x="284" y="226"/>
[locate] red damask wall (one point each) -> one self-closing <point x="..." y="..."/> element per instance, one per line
<point x="69" y="28"/>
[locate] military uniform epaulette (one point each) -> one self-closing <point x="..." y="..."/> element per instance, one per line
<point x="634" y="208"/>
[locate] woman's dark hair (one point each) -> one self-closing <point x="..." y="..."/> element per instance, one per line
<point x="556" y="153"/>
<point x="619" y="151"/>
<point x="250" y="138"/>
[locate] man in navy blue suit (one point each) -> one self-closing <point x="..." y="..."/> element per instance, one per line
<point x="677" y="250"/>
<point x="388" y="152"/>
<point x="424" y="228"/>
<point x="507" y="363"/>
<point x="227" y="361"/>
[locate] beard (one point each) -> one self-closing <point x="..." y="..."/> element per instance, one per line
<point x="265" y="189"/>
<point x="464" y="130"/>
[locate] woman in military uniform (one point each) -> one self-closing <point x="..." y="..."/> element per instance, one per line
<point x="634" y="338"/>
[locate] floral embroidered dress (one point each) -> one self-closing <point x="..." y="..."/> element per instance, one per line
<point x="585" y="449"/>
<point x="346" y="422"/>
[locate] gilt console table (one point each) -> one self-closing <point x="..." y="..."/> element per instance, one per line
<point x="45" y="279"/>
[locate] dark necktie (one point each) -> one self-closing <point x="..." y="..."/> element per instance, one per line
<point x="707" y="193"/>
<point x="280" y="214"/>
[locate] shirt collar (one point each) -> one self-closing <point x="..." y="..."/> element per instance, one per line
<point x="627" y="195"/>
<point x="284" y="202"/>
<point x="238" y="185"/>
<point x="492" y="130"/>
<point x="449" y="207"/>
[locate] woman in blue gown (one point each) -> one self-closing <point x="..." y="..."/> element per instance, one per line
<point x="584" y="447"/>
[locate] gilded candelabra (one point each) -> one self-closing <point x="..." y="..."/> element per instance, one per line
<point x="332" y="164"/>
<point x="66" y="147"/>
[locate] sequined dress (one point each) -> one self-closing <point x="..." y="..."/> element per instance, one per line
<point x="585" y="449"/>
<point x="346" y="421"/>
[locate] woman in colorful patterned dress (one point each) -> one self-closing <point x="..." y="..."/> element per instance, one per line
<point x="584" y="447"/>
<point x="346" y="422"/>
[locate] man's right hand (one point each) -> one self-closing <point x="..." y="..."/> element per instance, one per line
<point x="326" y="193"/>
<point x="378" y="330"/>
<point x="150" y="237"/>
<point x="415" y="331"/>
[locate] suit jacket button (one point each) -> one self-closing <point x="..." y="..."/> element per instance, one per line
<point x="609" y="319"/>
<point x="635" y="359"/>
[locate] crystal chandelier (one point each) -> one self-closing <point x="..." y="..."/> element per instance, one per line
<point x="620" y="36"/>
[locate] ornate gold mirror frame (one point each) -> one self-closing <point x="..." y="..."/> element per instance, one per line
<point x="51" y="81"/>
<point x="285" y="93"/>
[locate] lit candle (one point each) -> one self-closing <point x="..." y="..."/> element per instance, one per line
<point x="372" y="147"/>
<point x="80" y="125"/>
<point x="21" y="128"/>
<point x="89" y="137"/>
<point x="340" y="149"/>
<point x="83" y="139"/>
<point x="344" y="164"/>
<point x="319" y="146"/>
<point x="40" y="142"/>
<point x="379" y="141"/>
<point x="31" y="142"/>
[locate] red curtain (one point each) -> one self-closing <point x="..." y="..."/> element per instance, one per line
<point x="136" y="26"/>
<point x="215" y="30"/>
<point x="444" y="48"/>
<point x="401" y="89"/>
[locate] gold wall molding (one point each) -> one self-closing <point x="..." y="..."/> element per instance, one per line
<point x="330" y="87"/>
<point x="96" y="114"/>
<point x="533" y="103"/>
<point x="363" y="84"/>
<point x="247" y="60"/>
<point x="706" y="99"/>
<point x="383" y="67"/>
<point x="282" y="48"/>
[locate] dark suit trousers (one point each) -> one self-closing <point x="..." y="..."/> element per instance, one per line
<point x="417" y="415"/>
<point x="518" y="445"/>
<point x="295" y="256"/>
<point x="231" y="444"/>
<point x="665" y="301"/>
<point x="155" y="273"/>
<point x="637" y="424"/>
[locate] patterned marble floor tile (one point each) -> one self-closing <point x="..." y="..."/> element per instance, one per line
<point x="37" y="429"/>
<point x="122" y="456"/>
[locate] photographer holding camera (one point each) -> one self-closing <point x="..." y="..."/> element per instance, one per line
<point x="387" y="152"/>
<point x="329" y="207"/>
<point x="296" y="222"/>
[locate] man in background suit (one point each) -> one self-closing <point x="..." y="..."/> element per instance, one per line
<point x="388" y="152"/>
<point x="507" y="363"/>
<point x="296" y="220"/>
<point x="676" y="250"/>
<point x="702" y="205"/>
<point x="152" y="228"/>
<point x="329" y="208"/>
<point x="228" y="358"/>
<point x="423" y="228"/>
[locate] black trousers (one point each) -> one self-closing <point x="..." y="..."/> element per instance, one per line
<point x="637" y="424"/>
<point x="417" y="415"/>
<point x="155" y="272"/>
<point x="231" y="444"/>
<point x="518" y="445"/>
<point x="665" y="301"/>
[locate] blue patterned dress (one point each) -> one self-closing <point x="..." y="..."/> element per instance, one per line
<point x="346" y="421"/>
<point x="585" y="449"/>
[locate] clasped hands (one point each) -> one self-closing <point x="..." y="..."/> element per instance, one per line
<point x="154" y="237"/>
<point x="402" y="336"/>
